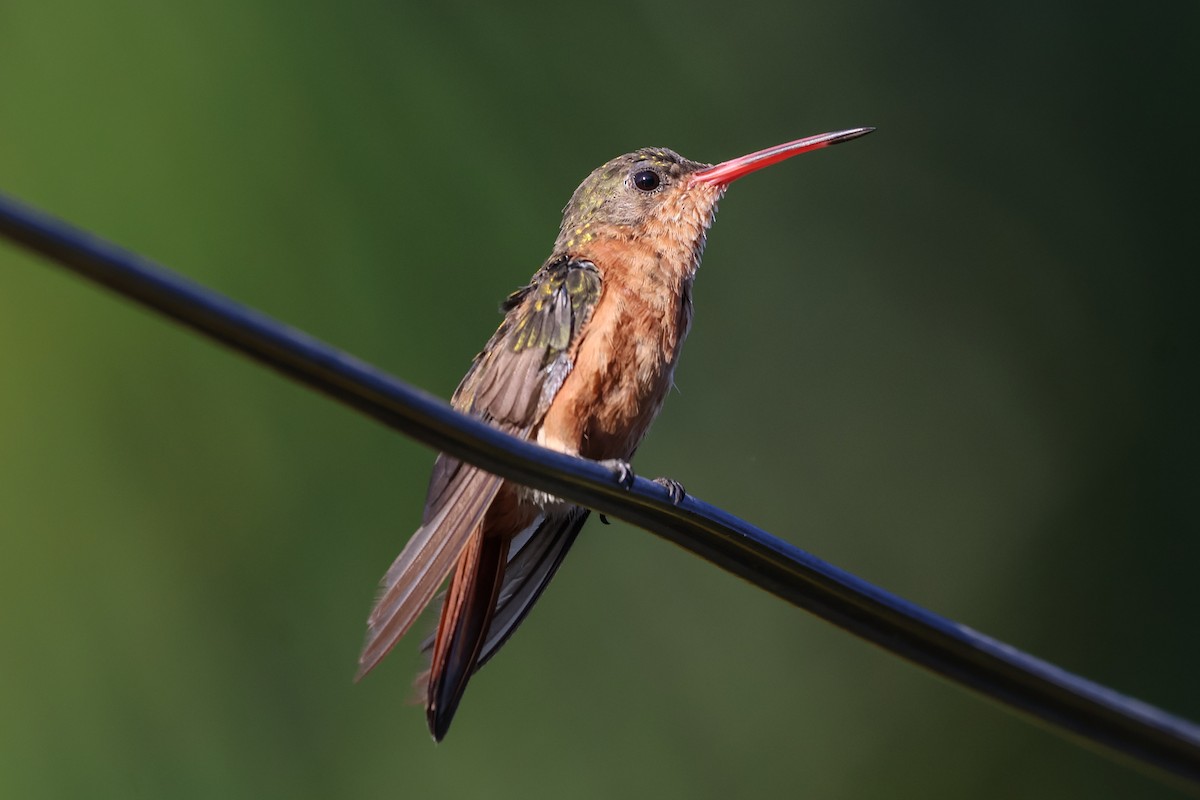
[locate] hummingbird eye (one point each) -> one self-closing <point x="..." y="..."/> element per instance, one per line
<point x="646" y="180"/>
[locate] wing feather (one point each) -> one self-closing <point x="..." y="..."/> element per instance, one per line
<point x="533" y="558"/>
<point x="527" y="575"/>
<point x="510" y="385"/>
<point x="428" y="557"/>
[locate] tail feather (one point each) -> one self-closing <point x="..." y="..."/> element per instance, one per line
<point x="466" y="617"/>
<point x="498" y="578"/>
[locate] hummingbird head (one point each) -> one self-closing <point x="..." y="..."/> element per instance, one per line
<point x="655" y="192"/>
<point x="633" y="193"/>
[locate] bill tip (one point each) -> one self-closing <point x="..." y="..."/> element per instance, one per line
<point x="853" y="133"/>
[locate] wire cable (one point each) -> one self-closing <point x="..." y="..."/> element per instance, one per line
<point x="1065" y="702"/>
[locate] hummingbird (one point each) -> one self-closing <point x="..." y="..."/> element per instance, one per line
<point x="581" y="363"/>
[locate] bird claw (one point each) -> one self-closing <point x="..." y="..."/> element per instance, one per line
<point x="674" y="489"/>
<point x="622" y="472"/>
<point x="604" y="520"/>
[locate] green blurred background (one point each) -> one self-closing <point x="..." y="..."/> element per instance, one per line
<point x="956" y="358"/>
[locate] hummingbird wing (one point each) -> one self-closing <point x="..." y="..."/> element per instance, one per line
<point x="530" y="568"/>
<point x="533" y="558"/>
<point x="510" y="385"/>
<point x="430" y="554"/>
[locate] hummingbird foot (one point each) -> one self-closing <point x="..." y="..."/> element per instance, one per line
<point x="621" y="471"/>
<point x="674" y="489"/>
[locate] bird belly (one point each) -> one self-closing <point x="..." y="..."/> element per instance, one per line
<point x="622" y="372"/>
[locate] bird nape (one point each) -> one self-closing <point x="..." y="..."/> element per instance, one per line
<point x="581" y="364"/>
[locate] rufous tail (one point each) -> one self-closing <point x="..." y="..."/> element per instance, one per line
<point x="463" y="627"/>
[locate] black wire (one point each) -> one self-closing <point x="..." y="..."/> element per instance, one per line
<point x="1065" y="702"/>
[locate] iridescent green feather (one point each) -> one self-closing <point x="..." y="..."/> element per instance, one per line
<point x="509" y="379"/>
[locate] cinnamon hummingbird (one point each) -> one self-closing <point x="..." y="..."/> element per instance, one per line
<point x="581" y="364"/>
